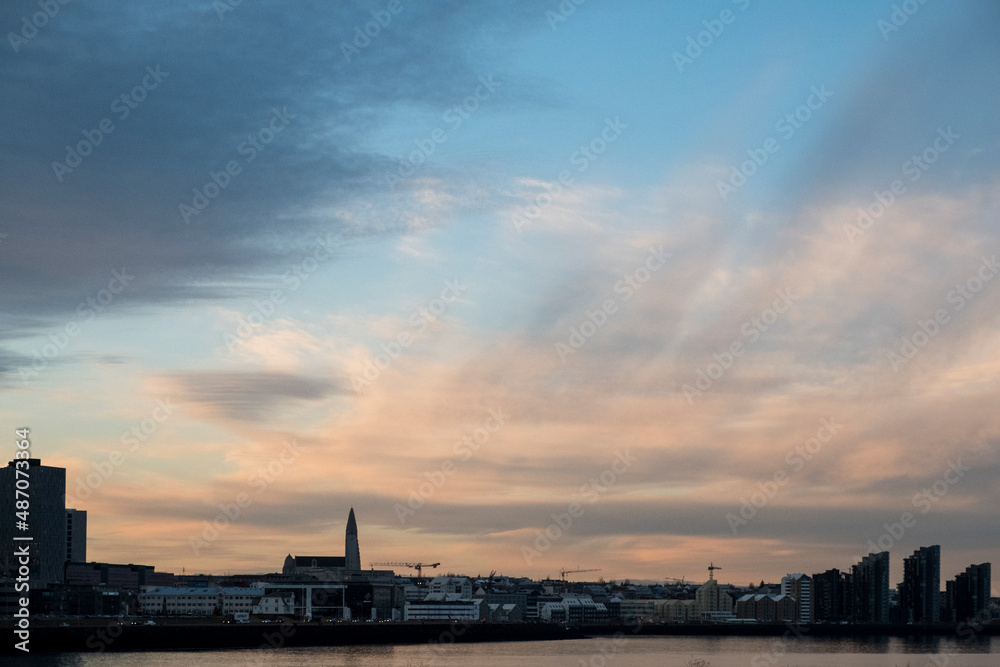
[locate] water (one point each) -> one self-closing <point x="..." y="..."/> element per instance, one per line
<point x="602" y="652"/>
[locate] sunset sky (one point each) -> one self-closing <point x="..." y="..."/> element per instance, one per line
<point x="482" y="269"/>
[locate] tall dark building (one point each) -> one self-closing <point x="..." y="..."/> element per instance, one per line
<point x="920" y="592"/>
<point x="832" y="596"/>
<point x="948" y="602"/>
<point x="46" y="520"/>
<point x="352" y="553"/>
<point x="870" y="589"/>
<point x="972" y="592"/>
<point x="76" y="536"/>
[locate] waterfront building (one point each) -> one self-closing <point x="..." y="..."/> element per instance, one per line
<point x="446" y="610"/>
<point x="799" y="588"/>
<point x="124" y="577"/>
<point x="46" y="520"/>
<point x="644" y="610"/>
<point x="768" y="608"/>
<point x="712" y="601"/>
<point x="180" y="601"/>
<point x="505" y="613"/>
<point x="275" y="604"/>
<point x="971" y="593"/>
<point x="76" y="536"/>
<point x="920" y="591"/>
<point x="870" y="589"/>
<point x="575" y="609"/>
<point x="831" y="596"/>
<point x="679" y="611"/>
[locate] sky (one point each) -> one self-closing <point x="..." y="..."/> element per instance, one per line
<point x="632" y="287"/>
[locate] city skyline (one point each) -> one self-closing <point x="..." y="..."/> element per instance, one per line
<point x="921" y="590"/>
<point x="530" y="286"/>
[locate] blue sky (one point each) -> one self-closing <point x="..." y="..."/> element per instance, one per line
<point x="557" y="249"/>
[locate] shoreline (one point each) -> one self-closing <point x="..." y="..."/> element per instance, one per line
<point x="964" y="631"/>
<point x="104" y="636"/>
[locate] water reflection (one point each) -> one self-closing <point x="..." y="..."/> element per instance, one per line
<point x="862" y="651"/>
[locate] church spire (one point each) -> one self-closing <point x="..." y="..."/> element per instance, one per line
<point x="352" y="525"/>
<point x="352" y="553"/>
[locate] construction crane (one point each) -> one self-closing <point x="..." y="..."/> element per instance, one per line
<point x="712" y="566"/>
<point x="678" y="581"/>
<point x="565" y="572"/>
<point x="419" y="567"/>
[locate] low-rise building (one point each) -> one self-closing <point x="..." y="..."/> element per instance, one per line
<point x="446" y="610"/>
<point x="505" y="613"/>
<point x="200" y="601"/>
<point x="240" y="600"/>
<point x="644" y="610"/>
<point x="124" y="577"/>
<point x="275" y="604"/>
<point x="710" y="597"/>
<point x="460" y="586"/>
<point x="767" y="608"/>
<point x="162" y="600"/>
<point x="679" y="611"/>
<point x="573" y="609"/>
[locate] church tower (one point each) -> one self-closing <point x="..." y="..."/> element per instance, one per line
<point x="352" y="554"/>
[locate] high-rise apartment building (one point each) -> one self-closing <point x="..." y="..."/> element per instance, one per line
<point x="972" y="592"/>
<point x="799" y="587"/>
<point x="831" y="596"/>
<point x="870" y="589"/>
<point x="920" y="592"/>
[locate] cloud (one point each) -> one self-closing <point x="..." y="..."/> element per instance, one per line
<point x="221" y="89"/>
<point x="246" y="396"/>
<point x="10" y="362"/>
<point x="621" y="390"/>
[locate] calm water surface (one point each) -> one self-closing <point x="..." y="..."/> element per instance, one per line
<point x="637" y="651"/>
